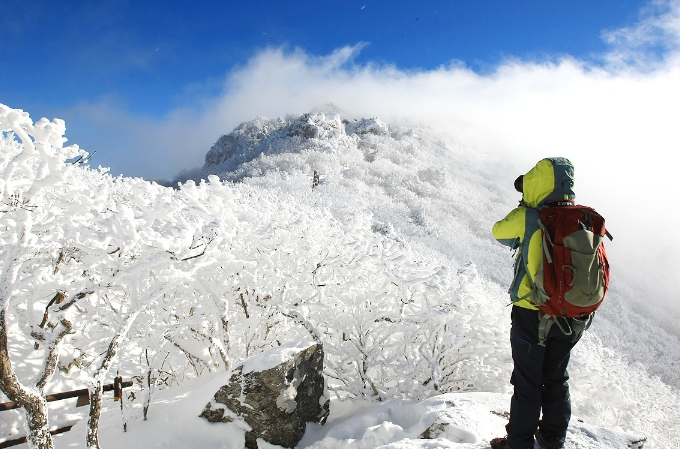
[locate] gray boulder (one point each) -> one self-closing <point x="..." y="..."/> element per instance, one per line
<point x="276" y="393"/>
<point x="367" y="126"/>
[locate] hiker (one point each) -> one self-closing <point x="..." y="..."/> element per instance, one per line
<point x="541" y="350"/>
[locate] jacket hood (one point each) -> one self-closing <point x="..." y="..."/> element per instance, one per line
<point x="551" y="179"/>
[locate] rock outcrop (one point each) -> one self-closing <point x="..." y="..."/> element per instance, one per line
<point x="276" y="393"/>
<point x="232" y="155"/>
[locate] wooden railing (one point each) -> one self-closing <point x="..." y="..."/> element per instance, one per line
<point x="83" y="396"/>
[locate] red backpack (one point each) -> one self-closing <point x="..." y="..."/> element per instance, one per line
<point x="573" y="277"/>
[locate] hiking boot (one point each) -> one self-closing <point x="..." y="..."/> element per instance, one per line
<point x="499" y="443"/>
<point x="544" y="444"/>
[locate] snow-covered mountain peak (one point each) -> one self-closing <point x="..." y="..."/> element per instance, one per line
<point x="312" y="131"/>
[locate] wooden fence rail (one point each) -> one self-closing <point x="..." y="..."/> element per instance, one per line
<point x="83" y="396"/>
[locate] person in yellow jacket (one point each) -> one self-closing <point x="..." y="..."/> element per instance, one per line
<point x="540" y="373"/>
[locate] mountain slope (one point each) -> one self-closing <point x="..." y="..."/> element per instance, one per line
<point x="385" y="256"/>
<point x="420" y="186"/>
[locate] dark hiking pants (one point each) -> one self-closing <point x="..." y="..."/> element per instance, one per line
<point x="540" y="380"/>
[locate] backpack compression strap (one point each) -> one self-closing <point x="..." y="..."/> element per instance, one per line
<point x="578" y="326"/>
<point x="545" y="322"/>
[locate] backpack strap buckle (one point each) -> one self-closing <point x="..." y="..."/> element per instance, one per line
<point x="581" y="325"/>
<point x="545" y="322"/>
<point x="577" y="328"/>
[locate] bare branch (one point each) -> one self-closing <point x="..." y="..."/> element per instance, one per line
<point x="193" y="360"/>
<point x="243" y="304"/>
<point x="216" y="344"/>
<point x="57" y="299"/>
<point x="50" y="364"/>
<point x="62" y="255"/>
<point x="300" y="319"/>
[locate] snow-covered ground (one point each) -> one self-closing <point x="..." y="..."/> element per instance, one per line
<point x="458" y="420"/>
<point x="398" y="227"/>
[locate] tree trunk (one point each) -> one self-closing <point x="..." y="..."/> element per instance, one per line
<point x="96" y="396"/>
<point x="96" y="392"/>
<point x="39" y="436"/>
<point x="31" y="400"/>
<point x="147" y="397"/>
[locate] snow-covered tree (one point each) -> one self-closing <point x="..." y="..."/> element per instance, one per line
<point x="120" y="274"/>
<point x="32" y="166"/>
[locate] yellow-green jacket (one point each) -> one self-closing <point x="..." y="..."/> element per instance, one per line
<point x="552" y="179"/>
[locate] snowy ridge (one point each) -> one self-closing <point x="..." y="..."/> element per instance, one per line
<point x="422" y="187"/>
<point x="388" y="261"/>
<point x="316" y="131"/>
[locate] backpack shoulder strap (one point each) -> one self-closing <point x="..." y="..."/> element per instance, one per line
<point x="545" y="236"/>
<point x="525" y="244"/>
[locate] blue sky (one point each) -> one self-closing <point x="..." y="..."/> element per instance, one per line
<point x="150" y="56"/>
<point x="120" y="71"/>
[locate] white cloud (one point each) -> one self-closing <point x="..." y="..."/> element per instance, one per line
<point x="653" y="39"/>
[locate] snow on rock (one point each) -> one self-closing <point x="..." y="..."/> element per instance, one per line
<point x="275" y="402"/>
<point x="371" y="125"/>
<point x="262" y="137"/>
<point x="455" y="420"/>
<point x="235" y="155"/>
<point x="273" y="357"/>
<point x="464" y="418"/>
<point x="317" y="125"/>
